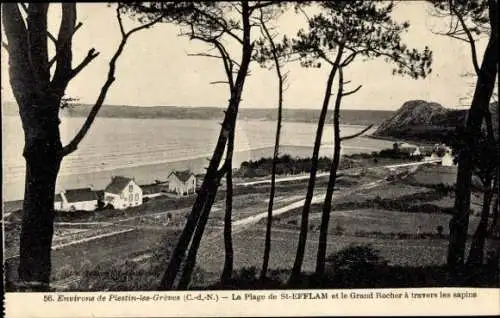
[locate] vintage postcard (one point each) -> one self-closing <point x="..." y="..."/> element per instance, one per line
<point x="250" y="158"/>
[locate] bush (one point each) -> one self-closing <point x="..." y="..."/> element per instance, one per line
<point x="354" y="259"/>
<point x="355" y="266"/>
<point x="440" y="230"/>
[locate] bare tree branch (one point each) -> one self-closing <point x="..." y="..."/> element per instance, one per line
<point x="356" y="134"/>
<point x="64" y="54"/>
<point x="73" y="144"/>
<point x="220" y="82"/>
<point x="205" y="55"/>
<point x="60" y="45"/>
<point x="120" y="22"/>
<point x="261" y="5"/>
<point x="353" y="91"/>
<point x="24" y="7"/>
<point x="52" y="38"/>
<point x="92" y="54"/>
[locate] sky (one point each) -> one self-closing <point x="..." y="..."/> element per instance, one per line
<point x="155" y="68"/>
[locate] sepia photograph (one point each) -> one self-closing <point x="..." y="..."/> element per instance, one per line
<point x="287" y="147"/>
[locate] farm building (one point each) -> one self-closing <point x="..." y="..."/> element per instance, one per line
<point x="84" y="199"/>
<point x="122" y="192"/>
<point x="182" y="182"/>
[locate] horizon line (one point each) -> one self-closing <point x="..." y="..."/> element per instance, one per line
<point x="263" y="108"/>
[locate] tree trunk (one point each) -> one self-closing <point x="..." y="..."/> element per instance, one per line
<point x="476" y="254"/>
<point x="267" y="243"/>
<point x="494" y="221"/>
<point x="209" y="184"/>
<point x="299" y="257"/>
<point x="43" y="155"/>
<point x="228" y="241"/>
<point x="480" y="102"/>
<point x="327" y="205"/>
<point x="195" y="244"/>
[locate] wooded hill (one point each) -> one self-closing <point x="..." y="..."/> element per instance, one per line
<point x="351" y="117"/>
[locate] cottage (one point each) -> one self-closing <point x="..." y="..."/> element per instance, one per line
<point x="448" y="160"/>
<point x="84" y="199"/>
<point x="123" y="192"/>
<point x="182" y="182"/>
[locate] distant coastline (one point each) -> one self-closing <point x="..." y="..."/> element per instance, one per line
<point x="148" y="173"/>
<point x="348" y="116"/>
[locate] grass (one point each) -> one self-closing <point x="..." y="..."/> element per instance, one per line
<point x="353" y="266"/>
<point x="407" y="258"/>
<point x="104" y="254"/>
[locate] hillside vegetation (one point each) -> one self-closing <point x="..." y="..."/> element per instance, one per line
<point x="352" y="117"/>
<point x="420" y="120"/>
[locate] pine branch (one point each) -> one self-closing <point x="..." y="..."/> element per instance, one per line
<point x="353" y="91"/>
<point x="73" y="144"/>
<point x="356" y="134"/>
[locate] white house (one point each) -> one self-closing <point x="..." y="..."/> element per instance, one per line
<point x="123" y="192"/>
<point x="182" y="182"/>
<point x="84" y="199"/>
<point x="447" y="160"/>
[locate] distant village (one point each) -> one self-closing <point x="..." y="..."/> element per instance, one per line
<point x="438" y="154"/>
<point x="124" y="192"/>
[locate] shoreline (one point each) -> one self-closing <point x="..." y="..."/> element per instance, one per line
<point x="148" y="173"/>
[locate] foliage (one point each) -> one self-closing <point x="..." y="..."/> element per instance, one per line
<point x="355" y="259"/>
<point x="464" y="16"/>
<point x="484" y="159"/>
<point x="285" y="165"/>
<point x="398" y="154"/>
<point x="363" y="28"/>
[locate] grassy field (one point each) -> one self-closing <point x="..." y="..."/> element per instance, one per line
<point x="74" y="260"/>
<point x="400" y="252"/>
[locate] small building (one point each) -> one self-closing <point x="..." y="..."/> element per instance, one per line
<point x="448" y="160"/>
<point x="182" y="182"/>
<point x="84" y="199"/>
<point x="123" y="192"/>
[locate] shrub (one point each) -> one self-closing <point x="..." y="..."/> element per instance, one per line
<point x="355" y="266"/>
<point x="339" y="229"/>
<point x="440" y="230"/>
<point x="354" y="259"/>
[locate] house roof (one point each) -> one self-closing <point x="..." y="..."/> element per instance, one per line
<point x="117" y="185"/>
<point x="182" y="175"/>
<point x="80" y="195"/>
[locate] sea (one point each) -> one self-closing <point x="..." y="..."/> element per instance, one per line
<point x="149" y="149"/>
